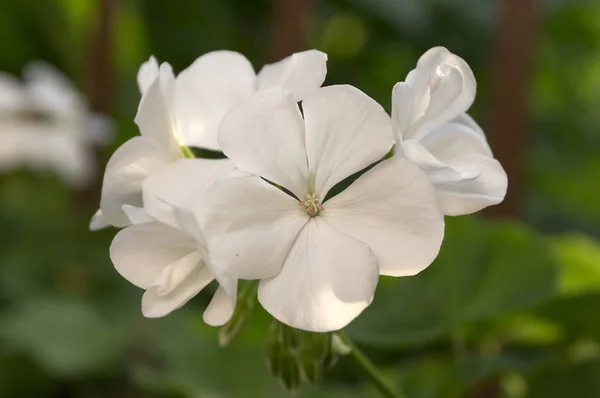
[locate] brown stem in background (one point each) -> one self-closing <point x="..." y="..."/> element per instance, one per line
<point x="99" y="85"/>
<point x="290" y="26"/>
<point x="510" y="92"/>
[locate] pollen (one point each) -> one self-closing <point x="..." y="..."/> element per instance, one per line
<point x="312" y="205"/>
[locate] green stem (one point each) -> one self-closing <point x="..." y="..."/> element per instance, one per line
<point x="382" y="384"/>
<point x="187" y="152"/>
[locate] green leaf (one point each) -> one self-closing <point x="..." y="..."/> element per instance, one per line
<point x="65" y="336"/>
<point x="483" y="270"/>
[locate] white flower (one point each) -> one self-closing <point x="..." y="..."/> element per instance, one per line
<point x="186" y="111"/>
<point x="319" y="260"/>
<point x="45" y="124"/>
<point x="164" y="252"/>
<point x="428" y="110"/>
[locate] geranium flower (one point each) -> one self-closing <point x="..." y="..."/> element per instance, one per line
<point x="318" y="258"/>
<point x="45" y="124"/>
<point x="186" y="111"/>
<point x="429" y="112"/>
<point x="164" y="252"/>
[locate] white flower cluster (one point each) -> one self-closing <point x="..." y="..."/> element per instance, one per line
<point x="272" y="210"/>
<point x="45" y="124"/>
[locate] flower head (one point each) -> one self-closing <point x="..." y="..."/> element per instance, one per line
<point x="164" y="252"/>
<point x="318" y="260"/>
<point x="186" y="111"/>
<point x="429" y="113"/>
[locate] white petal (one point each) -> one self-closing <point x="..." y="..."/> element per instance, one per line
<point x="393" y="209"/>
<point x="265" y="136"/>
<point x="299" y="73"/>
<point x="461" y="147"/>
<point x="97" y="222"/>
<point x="126" y="170"/>
<point x="137" y="215"/>
<point x="346" y="131"/>
<point x="249" y="226"/>
<point x="220" y="309"/>
<point x="206" y="90"/>
<point x="12" y="95"/>
<point x="155" y="117"/>
<point x="179" y="182"/>
<point x="175" y="287"/>
<point x="402" y="109"/>
<point x="443" y="86"/>
<point x="141" y="252"/>
<point x="327" y="280"/>
<point x="472" y="195"/>
<point x="147" y="73"/>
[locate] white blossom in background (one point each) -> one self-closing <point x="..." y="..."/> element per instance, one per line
<point x="186" y="111"/>
<point x="318" y="261"/>
<point x="164" y="252"/>
<point x="45" y="124"/>
<point x="434" y="131"/>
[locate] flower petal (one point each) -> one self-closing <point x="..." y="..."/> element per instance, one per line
<point x="141" y="252"/>
<point x="393" y="209"/>
<point x="179" y="182"/>
<point x="265" y="136"/>
<point x="346" y="131"/>
<point x="137" y="215"/>
<point x="443" y="87"/>
<point x="206" y="90"/>
<point x="133" y="162"/>
<point x="155" y="117"/>
<point x="327" y="280"/>
<point x="249" y="226"/>
<point x="461" y="147"/>
<point x="147" y="73"/>
<point x="182" y="281"/>
<point x="299" y="73"/>
<point x="97" y="222"/>
<point x="220" y="309"/>
<point x="472" y="195"/>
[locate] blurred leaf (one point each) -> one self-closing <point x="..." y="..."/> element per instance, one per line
<point x="567" y="380"/>
<point x="483" y="270"/>
<point x="65" y="336"/>
<point x="579" y="260"/>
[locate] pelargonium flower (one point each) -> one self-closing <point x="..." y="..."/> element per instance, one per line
<point x="318" y="258"/>
<point x="45" y="123"/>
<point x="186" y="111"/>
<point x="435" y="132"/>
<point x="164" y="252"/>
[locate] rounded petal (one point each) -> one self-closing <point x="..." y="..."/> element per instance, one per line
<point x="402" y="109"/>
<point x="466" y="176"/>
<point x="177" y="285"/>
<point x="327" y="280"/>
<point x="471" y="195"/>
<point x="137" y="215"/>
<point x="155" y="117"/>
<point x="178" y="183"/>
<point x="450" y="142"/>
<point x="393" y="209"/>
<point x="147" y="73"/>
<point x="443" y="86"/>
<point x="249" y="226"/>
<point x="128" y="167"/>
<point x="206" y="90"/>
<point x="220" y="309"/>
<point x="299" y="73"/>
<point x="97" y="222"/>
<point x="265" y="136"/>
<point x="142" y="252"/>
<point x="346" y="131"/>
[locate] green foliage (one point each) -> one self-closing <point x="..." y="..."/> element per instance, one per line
<point x="482" y="271"/>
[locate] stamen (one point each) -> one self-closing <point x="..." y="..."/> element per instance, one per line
<point x="312" y="205"/>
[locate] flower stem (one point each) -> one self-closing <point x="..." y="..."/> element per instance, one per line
<point x="382" y="384"/>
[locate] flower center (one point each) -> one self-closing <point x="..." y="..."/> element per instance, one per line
<point x="312" y="204"/>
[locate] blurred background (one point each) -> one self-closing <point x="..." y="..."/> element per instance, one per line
<point x="511" y="308"/>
